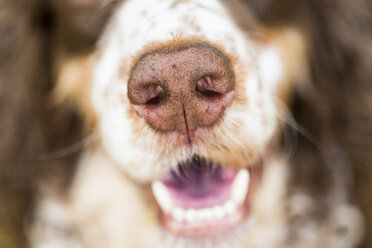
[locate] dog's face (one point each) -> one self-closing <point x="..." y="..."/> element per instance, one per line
<point x="191" y="106"/>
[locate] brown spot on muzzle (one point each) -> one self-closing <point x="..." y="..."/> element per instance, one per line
<point x="181" y="90"/>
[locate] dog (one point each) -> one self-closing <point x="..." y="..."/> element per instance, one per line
<point x="188" y="104"/>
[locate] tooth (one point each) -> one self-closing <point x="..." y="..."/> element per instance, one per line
<point x="239" y="187"/>
<point x="230" y="207"/>
<point x="162" y="196"/>
<point x="218" y="212"/>
<point x="190" y="215"/>
<point x="200" y="214"/>
<point x="205" y="214"/>
<point x="179" y="214"/>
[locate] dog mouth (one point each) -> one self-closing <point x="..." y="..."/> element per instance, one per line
<point x="203" y="199"/>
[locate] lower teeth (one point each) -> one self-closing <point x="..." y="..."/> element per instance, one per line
<point x="204" y="214"/>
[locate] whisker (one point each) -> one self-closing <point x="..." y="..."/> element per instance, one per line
<point x="286" y="117"/>
<point x="74" y="148"/>
<point x="290" y="135"/>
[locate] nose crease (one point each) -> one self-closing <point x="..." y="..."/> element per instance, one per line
<point x="187" y="125"/>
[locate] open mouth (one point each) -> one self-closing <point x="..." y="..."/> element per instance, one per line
<point x="203" y="199"/>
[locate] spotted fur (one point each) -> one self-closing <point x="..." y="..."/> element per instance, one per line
<point x="106" y="206"/>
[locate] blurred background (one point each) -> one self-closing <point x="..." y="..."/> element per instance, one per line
<point x="35" y="35"/>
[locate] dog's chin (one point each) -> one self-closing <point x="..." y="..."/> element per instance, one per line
<point x="203" y="199"/>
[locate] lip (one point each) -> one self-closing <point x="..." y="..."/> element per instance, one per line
<point x="207" y="216"/>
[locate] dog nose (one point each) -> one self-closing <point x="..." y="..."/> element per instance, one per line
<point x="182" y="90"/>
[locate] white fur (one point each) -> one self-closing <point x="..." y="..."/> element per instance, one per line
<point x="106" y="209"/>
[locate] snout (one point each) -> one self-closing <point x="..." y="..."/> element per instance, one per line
<point x="182" y="90"/>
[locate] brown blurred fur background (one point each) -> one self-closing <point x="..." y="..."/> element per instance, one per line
<point x="332" y="158"/>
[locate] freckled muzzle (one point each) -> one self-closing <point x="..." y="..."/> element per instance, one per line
<point x="182" y="90"/>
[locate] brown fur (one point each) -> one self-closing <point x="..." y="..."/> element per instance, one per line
<point x="339" y="115"/>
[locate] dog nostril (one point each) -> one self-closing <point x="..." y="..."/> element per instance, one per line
<point x="156" y="100"/>
<point x="205" y="87"/>
<point x="155" y="94"/>
<point x="152" y="94"/>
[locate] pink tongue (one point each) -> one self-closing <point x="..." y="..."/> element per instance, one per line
<point x="199" y="184"/>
